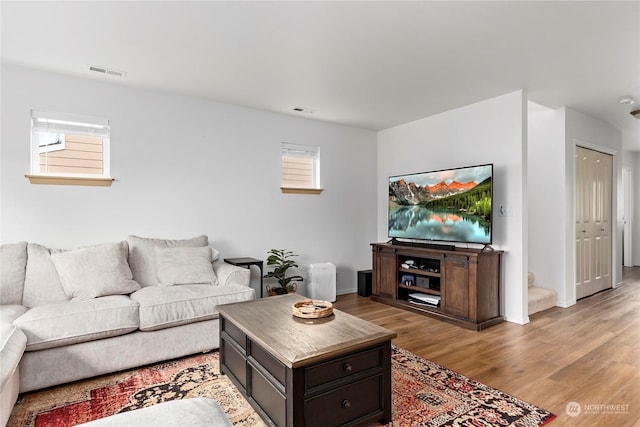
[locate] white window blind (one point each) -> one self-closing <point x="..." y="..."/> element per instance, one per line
<point x="69" y="145"/>
<point x="300" y="166"/>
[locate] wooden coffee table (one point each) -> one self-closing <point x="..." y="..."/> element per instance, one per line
<point x="306" y="372"/>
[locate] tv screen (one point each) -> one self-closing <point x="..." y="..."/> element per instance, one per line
<point x="451" y="205"/>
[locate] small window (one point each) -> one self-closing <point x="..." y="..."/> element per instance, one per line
<point x="300" y="168"/>
<point x="69" y="146"/>
<point x="50" y="141"/>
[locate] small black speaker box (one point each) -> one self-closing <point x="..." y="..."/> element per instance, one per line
<point x="422" y="282"/>
<point x="364" y="283"/>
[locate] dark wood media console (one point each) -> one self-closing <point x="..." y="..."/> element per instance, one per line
<point x="467" y="282"/>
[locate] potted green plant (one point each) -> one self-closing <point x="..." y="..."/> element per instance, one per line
<point x="281" y="260"/>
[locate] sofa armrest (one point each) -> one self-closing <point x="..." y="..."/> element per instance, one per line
<point x="13" y="343"/>
<point x="231" y="275"/>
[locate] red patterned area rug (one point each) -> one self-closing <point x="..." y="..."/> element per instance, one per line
<point x="425" y="394"/>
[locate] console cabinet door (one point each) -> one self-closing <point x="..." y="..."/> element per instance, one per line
<point x="385" y="273"/>
<point x="456" y="289"/>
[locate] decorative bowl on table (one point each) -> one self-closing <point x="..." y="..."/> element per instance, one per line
<point x="312" y="309"/>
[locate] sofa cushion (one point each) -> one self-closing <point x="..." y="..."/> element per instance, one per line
<point x="229" y="274"/>
<point x="13" y="264"/>
<point x="76" y="321"/>
<point x="184" y="266"/>
<point x="142" y="257"/>
<point x="12" y="342"/>
<point x="164" y="307"/>
<point x="10" y="312"/>
<point x="41" y="283"/>
<point x="95" y="271"/>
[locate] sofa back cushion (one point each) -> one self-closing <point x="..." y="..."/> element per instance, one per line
<point x="41" y="282"/>
<point x="142" y="257"/>
<point x="185" y="266"/>
<point x="95" y="271"/>
<point x="13" y="264"/>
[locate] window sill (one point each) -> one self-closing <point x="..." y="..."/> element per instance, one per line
<point x="67" y="180"/>
<point x="293" y="190"/>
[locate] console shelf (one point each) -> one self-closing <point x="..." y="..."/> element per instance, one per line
<point x="419" y="272"/>
<point x="419" y="289"/>
<point x="467" y="281"/>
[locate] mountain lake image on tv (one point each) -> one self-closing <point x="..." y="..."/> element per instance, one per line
<point x="452" y="205"/>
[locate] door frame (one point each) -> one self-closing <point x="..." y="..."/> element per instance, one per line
<point x="571" y="285"/>
<point x="627" y="216"/>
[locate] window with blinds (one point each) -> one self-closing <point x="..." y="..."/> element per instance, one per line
<point x="300" y="166"/>
<point x="69" y="145"/>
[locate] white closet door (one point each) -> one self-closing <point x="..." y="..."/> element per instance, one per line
<point x="594" y="172"/>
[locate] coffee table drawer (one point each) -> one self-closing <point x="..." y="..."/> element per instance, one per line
<point x="270" y="399"/>
<point x="270" y="363"/>
<point x="343" y="367"/>
<point x="235" y="333"/>
<point x="235" y="362"/>
<point x="345" y="404"/>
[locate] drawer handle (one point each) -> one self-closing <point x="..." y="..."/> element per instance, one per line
<point x="346" y="404"/>
<point x="347" y="367"/>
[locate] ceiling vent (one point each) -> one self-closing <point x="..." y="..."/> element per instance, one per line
<point x="303" y="110"/>
<point x="108" y="71"/>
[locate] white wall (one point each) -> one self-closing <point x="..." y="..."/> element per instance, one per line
<point x="546" y="199"/>
<point x="185" y="166"/>
<point x="592" y="133"/>
<point x="492" y="131"/>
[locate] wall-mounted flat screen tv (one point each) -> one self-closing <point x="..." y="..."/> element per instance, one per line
<point x="451" y="205"/>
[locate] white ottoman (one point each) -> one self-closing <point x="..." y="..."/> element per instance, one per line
<point x="175" y="413"/>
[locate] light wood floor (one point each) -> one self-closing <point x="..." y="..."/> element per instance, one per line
<point x="588" y="353"/>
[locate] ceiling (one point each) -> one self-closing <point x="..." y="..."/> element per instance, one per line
<point x="367" y="64"/>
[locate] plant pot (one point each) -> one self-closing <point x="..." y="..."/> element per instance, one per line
<point x="277" y="290"/>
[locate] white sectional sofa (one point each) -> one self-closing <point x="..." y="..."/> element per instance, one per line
<point x="70" y="315"/>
